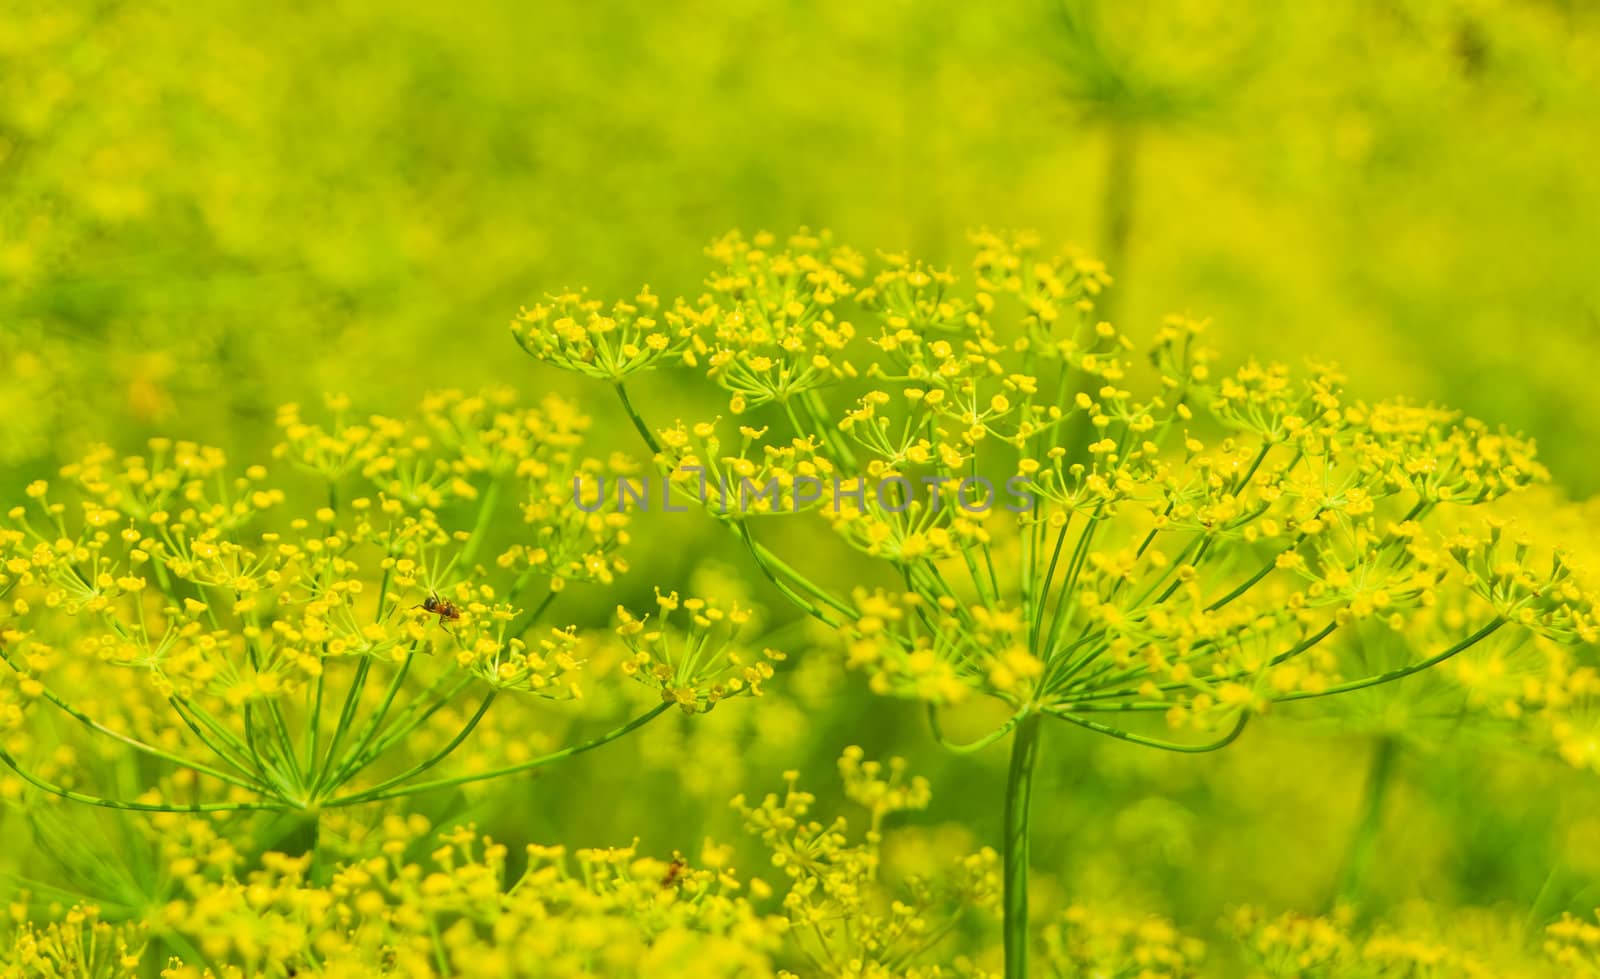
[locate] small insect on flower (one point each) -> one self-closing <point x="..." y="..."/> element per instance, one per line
<point x="446" y="610"/>
<point x="674" y="871"/>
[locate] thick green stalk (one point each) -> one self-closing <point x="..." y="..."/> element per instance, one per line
<point x="1019" y="792"/>
<point x="305" y="831"/>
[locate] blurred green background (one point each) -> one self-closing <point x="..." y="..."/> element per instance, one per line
<point x="210" y="209"/>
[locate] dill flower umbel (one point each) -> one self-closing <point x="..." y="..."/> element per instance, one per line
<point x="410" y="899"/>
<point x="699" y="664"/>
<point x="290" y="641"/>
<point x="1574" y="944"/>
<point x="607" y="343"/>
<point x="1088" y="942"/>
<point x="846" y="916"/>
<point x="456" y="910"/>
<point x="1072" y="524"/>
<point x="1332" y="946"/>
<point x="80" y="946"/>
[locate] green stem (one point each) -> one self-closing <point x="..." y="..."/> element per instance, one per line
<point x="449" y="783"/>
<point x="530" y="618"/>
<point x="409" y="719"/>
<point x="972" y="747"/>
<point x="442" y="754"/>
<point x="1538" y="916"/>
<point x="638" y="422"/>
<point x="1358" y="856"/>
<point x="1019" y="792"/>
<point x="303" y="835"/>
<point x="816" y="408"/>
<point x="373" y="725"/>
<point x="314" y="716"/>
<point x="44" y="785"/>
<point x="137" y="745"/>
<point x="1117" y="217"/>
<point x="1402" y="672"/>
<point x="491" y="500"/>
<point x="1157" y="743"/>
<point x="776" y="569"/>
<point x="323" y="765"/>
<point x="218" y="741"/>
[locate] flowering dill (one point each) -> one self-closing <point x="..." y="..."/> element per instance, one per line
<point x="411" y="900"/>
<point x="847" y="915"/>
<point x="294" y="645"/>
<point x="867" y="898"/>
<point x="699" y="665"/>
<point x="1574" y="944"/>
<point x="458" y="910"/>
<point x="1201" y="543"/>
<point x="1333" y="946"/>
<point x="1085" y="941"/>
<point x="80" y="946"/>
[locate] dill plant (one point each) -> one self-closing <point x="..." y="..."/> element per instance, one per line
<point x="866" y="898"/>
<point x="1515" y="690"/>
<point x="845" y="916"/>
<point x="412" y="899"/>
<point x="1199" y="556"/>
<point x="80" y="945"/>
<point x="1518" y="690"/>
<point x="261" y="642"/>
<point x="1332" y="946"/>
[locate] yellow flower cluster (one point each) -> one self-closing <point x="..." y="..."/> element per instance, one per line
<point x="1574" y="944"/>
<point x="696" y="655"/>
<point x="583" y="335"/>
<point x="1088" y="942"/>
<point x="771" y="332"/>
<point x="285" y="637"/>
<point x="404" y="899"/>
<point x="1188" y="544"/>
<point x="455" y="912"/>
<point x="872" y="899"/>
<point x="1293" y="944"/>
<point x="1296" y="946"/>
<point x="80" y="946"/>
<point x="1540" y="691"/>
<point x="846" y="917"/>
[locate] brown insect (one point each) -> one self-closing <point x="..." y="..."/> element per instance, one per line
<point x="674" y="871"/>
<point x="446" y="610"/>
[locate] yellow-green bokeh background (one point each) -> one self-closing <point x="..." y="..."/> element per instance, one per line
<point x="207" y="209"/>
